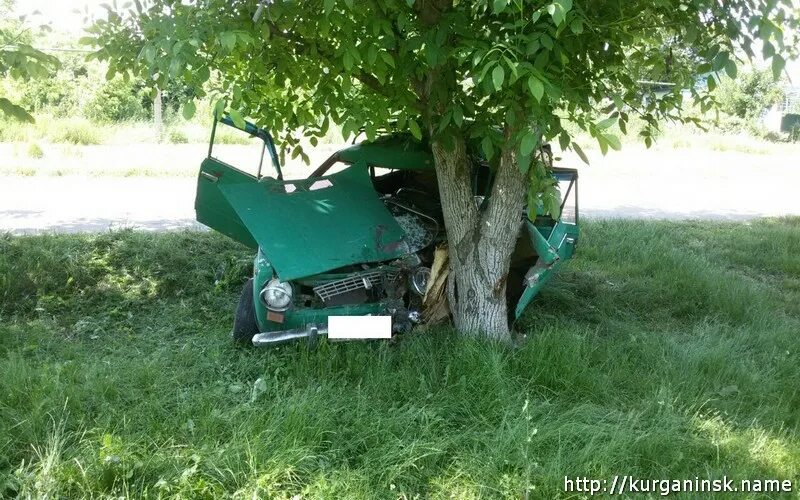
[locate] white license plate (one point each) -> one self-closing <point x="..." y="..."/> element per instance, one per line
<point x="359" y="327"/>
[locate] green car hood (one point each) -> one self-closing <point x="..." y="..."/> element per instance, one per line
<point x="309" y="226"/>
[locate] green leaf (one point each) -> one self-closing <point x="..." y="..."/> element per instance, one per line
<point x="499" y="6"/>
<point x="458" y="115"/>
<point x="576" y="26"/>
<point x="603" y="143"/>
<point x="691" y="34"/>
<point x="527" y="144"/>
<point x="579" y="151"/>
<point x="8" y="108"/>
<point x="558" y="11"/>
<point x="778" y="62"/>
<point x="387" y="58"/>
<point x="150" y="54"/>
<point x="487" y="147"/>
<point x="372" y="54"/>
<point x="227" y="40"/>
<point x="219" y="107"/>
<point x="413" y="126"/>
<point x="730" y="68"/>
<point x="602" y="125"/>
<point x="711" y="82"/>
<point x="237" y="119"/>
<point x="203" y="74"/>
<point x="536" y="87"/>
<point x="768" y="50"/>
<point x="524" y="163"/>
<point x="327" y="6"/>
<point x="613" y="141"/>
<point x="563" y="140"/>
<point x="485" y="70"/>
<point x="188" y="110"/>
<point x="720" y="60"/>
<point x="498" y="75"/>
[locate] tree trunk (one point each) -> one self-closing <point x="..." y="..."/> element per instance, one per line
<point x="480" y="243"/>
<point x="157" y="116"/>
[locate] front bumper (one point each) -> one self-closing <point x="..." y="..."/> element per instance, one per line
<point x="311" y="332"/>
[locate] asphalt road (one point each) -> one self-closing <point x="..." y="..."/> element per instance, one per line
<point x="677" y="184"/>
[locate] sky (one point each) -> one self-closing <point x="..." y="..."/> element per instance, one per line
<point x="60" y="13"/>
<point x="61" y="16"/>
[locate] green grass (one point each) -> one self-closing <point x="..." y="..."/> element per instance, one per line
<point x="663" y="350"/>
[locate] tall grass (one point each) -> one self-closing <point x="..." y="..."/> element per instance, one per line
<point x="664" y="350"/>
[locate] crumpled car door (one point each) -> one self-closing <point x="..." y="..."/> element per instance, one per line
<point x="553" y="245"/>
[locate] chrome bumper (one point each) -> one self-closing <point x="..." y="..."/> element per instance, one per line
<point x="311" y="332"/>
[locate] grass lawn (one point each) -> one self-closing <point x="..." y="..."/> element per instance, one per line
<point x="663" y="350"/>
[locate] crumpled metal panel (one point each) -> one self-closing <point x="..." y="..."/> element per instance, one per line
<point x="324" y="223"/>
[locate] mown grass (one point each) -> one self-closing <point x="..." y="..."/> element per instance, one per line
<point x="664" y="350"/>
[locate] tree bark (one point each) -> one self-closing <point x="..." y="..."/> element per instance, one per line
<point x="480" y="243"/>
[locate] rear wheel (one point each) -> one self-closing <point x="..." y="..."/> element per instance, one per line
<point x="244" y="322"/>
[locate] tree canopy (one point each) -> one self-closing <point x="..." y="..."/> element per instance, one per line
<point x="366" y="64"/>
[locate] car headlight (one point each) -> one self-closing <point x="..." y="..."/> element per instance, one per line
<point x="419" y="280"/>
<point x="277" y="294"/>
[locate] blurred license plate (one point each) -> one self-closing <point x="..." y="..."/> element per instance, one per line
<point x="359" y="327"/>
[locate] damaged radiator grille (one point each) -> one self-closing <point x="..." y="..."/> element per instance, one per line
<point x="330" y="291"/>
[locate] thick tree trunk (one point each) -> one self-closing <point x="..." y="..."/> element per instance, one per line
<point x="480" y="243"/>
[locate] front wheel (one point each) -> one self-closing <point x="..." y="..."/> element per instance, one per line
<point x="244" y="322"/>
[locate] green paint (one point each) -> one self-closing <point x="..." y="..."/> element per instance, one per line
<point x="553" y="250"/>
<point x="395" y="152"/>
<point x="309" y="231"/>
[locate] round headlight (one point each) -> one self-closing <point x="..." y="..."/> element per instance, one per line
<point x="277" y="295"/>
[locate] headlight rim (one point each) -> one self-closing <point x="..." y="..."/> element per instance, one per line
<point x="274" y="284"/>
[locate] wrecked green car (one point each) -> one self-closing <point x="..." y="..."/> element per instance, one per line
<point x="356" y="238"/>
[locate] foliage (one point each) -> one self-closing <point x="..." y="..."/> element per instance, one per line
<point x="115" y="100"/>
<point x="750" y="94"/>
<point x="500" y="62"/>
<point x="62" y="93"/>
<point x="19" y="60"/>
<point x="118" y="377"/>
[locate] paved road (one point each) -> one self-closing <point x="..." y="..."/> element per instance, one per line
<point x="676" y="184"/>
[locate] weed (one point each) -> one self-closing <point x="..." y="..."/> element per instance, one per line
<point x="177" y="136"/>
<point x="75" y="131"/>
<point x="35" y="151"/>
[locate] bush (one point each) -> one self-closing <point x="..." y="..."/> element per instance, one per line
<point x="62" y="93"/>
<point x="74" y="131"/>
<point x="177" y="136"/>
<point x="116" y="100"/>
<point x="14" y="131"/>
<point x="35" y="151"/>
<point x="749" y="95"/>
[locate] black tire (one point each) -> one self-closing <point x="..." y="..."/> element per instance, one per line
<point x="244" y="322"/>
